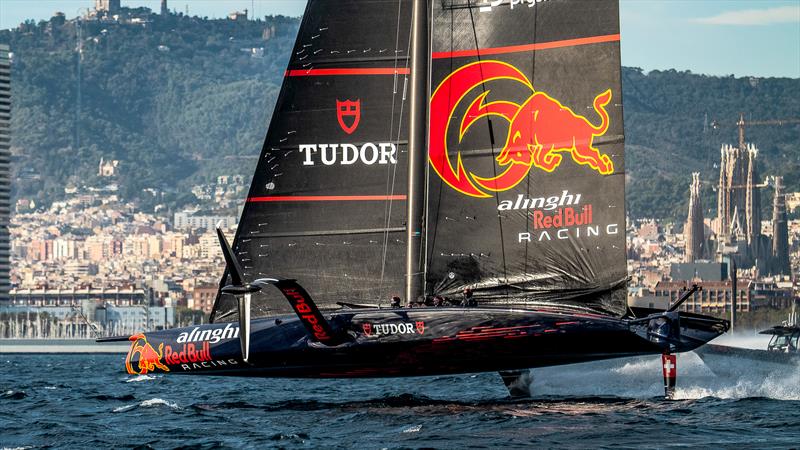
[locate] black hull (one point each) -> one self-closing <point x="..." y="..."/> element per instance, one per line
<point x="727" y="361"/>
<point x="404" y="342"/>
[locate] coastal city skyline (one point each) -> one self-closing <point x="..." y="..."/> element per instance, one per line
<point x="94" y="240"/>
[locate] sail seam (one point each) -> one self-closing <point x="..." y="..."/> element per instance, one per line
<point x="527" y="47"/>
<point x="324" y="198"/>
<point x="327" y="233"/>
<point x="341" y="61"/>
<point x="346" y="71"/>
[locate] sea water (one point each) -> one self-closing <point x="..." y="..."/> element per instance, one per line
<point x="87" y="401"/>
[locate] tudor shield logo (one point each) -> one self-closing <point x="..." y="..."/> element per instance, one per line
<point x="374" y="330"/>
<point x="348" y="113"/>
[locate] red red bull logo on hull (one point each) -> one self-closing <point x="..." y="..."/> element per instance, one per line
<point x="563" y="217"/>
<point x="541" y="130"/>
<point x="147" y="358"/>
<point x="189" y="353"/>
<point x="143" y="358"/>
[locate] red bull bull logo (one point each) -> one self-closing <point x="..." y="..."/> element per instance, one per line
<point x="148" y="358"/>
<point x="540" y="130"/>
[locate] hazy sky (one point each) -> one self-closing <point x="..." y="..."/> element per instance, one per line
<point x="718" y="37"/>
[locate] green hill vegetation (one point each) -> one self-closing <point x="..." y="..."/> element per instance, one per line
<point x="179" y="100"/>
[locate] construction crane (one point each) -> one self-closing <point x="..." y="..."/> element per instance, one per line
<point x="749" y="123"/>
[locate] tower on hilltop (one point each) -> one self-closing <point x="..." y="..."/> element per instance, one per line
<point x="164" y="9"/>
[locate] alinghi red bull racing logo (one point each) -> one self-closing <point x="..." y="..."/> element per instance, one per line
<point x="540" y="130"/>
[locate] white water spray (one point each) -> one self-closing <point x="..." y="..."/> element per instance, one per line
<point x="642" y="378"/>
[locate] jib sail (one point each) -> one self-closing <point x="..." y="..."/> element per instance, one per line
<point x="526" y="192"/>
<point x="327" y="202"/>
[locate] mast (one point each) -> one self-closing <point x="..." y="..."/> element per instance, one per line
<point x="417" y="150"/>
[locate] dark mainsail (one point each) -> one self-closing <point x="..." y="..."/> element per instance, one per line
<point x="526" y="195"/>
<point x="328" y="199"/>
<point x="525" y="175"/>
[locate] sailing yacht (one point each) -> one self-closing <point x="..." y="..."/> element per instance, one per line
<point x="441" y="190"/>
<point x="782" y="355"/>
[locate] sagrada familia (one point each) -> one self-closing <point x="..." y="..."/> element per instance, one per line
<point x="736" y="231"/>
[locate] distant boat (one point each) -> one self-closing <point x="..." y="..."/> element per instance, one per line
<point x="453" y="208"/>
<point x="782" y="353"/>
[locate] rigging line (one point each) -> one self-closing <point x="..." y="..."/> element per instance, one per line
<point x="491" y="143"/>
<point x="426" y="206"/>
<point x="441" y="183"/>
<point x="389" y="171"/>
<point x="528" y="178"/>
<point x="390" y="185"/>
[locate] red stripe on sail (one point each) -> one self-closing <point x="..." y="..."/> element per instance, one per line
<point x="527" y="47"/>
<point x="324" y="198"/>
<point x="333" y="72"/>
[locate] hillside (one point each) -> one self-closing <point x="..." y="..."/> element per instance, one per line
<point x="180" y="100"/>
<point x="177" y="101"/>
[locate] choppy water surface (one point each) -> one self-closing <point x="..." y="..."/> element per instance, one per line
<point x="86" y="401"/>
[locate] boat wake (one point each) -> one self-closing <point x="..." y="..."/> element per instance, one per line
<point x="139" y="378"/>
<point x="151" y="403"/>
<point x="641" y="378"/>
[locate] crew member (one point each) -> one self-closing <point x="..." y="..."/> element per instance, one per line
<point x="659" y="330"/>
<point x="396" y="302"/>
<point x="468" y="300"/>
